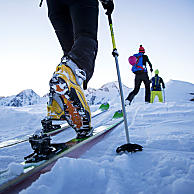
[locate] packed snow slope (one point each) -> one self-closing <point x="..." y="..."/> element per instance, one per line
<point x="165" y="130"/>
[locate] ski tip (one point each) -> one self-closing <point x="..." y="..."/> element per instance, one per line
<point x="118" y="114"/>
<point x="129" y="148"/>
<point x="104" y="106"/>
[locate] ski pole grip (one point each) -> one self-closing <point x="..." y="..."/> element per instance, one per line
<point x="109" y="19"/>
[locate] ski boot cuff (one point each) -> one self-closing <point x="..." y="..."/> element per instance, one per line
<point x="80" y="74"/>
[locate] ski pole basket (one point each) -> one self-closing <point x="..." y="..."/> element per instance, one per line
<point x="129" y="148"/>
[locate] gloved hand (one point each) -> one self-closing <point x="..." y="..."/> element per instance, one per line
<point x="151" y="69"/>
<point x="108" y="5"/>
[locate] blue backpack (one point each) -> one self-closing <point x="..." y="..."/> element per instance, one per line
<point x="139" y="64"/>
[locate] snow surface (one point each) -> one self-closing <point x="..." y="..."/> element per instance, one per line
<point x="165" y="130"/>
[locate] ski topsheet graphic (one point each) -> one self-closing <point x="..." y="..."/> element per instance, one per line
<point x="73" y="148"/>
<point x="103" y="108"/>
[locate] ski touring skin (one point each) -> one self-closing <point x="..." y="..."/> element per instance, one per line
<point x="73" y="148"/>
<point x="103" y="108"/>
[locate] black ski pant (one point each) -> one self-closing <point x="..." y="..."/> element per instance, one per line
<point x="139" y="78"/>
<point x="76" y="23"/>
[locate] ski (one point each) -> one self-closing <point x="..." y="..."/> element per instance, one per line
<point x="73" y="148"/>
<point x="58" y="129"/>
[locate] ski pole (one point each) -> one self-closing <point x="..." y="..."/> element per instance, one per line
<point x="126" y="147"/>
<point x="164" y="95"/>
<point x="151" y="98"/>
<point x="40" y="3"/>
<point x="115" y="55"/>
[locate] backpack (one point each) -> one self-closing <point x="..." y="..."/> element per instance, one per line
<point x="138" y="66"/>
<point x="156" y="83"/>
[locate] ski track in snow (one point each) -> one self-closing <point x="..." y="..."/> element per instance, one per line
<point x="165" y="166"/>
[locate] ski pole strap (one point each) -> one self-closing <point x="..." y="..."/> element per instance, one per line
<point x="139" y="67"/>
<point x="112" y="33"/>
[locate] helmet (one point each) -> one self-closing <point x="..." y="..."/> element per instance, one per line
<point x="141" y="49"/>
<point x="156" y="71"/>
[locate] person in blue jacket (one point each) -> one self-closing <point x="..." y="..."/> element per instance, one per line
<point x="156" y="89"/>
<point x="141" y="75"/>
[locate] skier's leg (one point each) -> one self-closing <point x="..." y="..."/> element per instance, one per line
<point x="152" y="97"/>
<point x="153" y="94"/>
<point x="160" y="96"/>
<point x="84" y="14"/>
<point x="80" y="62"/>
<point x="147" y="87"/>
<point x="60" y="18"/>
<point x="67" y="100"/>
<point x="136" y="88"/>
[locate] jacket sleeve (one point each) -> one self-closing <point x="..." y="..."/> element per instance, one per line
<point x="148" y="61"/>
<point x="151" y="80"/>
<point x="162" y="82"/>
<point x="105" y="1"/>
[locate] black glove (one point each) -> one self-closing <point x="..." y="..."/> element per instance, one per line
<point x="151" y="69"/>
<point x="109" y="6"/>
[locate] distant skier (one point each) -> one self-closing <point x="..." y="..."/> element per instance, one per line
<point x="75" y="23"/>
<point x="141" y="75"/>
<point x="156" y="89"/>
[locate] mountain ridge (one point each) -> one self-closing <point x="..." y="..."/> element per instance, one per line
<point x="108" y="92"/>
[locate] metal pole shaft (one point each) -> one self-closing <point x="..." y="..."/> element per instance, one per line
<point x="115" y="54"/>
<point x="122" y="99"/>
<point x="164" y="95"/>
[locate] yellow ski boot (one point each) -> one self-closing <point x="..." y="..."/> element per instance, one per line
<point x="67" y="100"/>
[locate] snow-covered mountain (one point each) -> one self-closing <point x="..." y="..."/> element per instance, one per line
<point x="107" y="93"/>
<point x="182" y="90"/>
<point x="24" y="98"/>
<point x="93" y="96"/>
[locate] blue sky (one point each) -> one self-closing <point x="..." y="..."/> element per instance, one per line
<point x="30" y="52"/>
